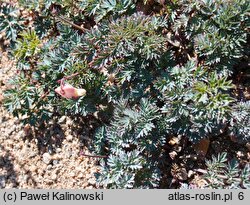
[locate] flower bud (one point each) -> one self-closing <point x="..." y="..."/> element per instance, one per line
<point x="68" y="91"/>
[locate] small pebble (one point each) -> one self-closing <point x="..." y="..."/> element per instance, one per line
<point x="69" y="138"/>
<point x="190" y="173"/>
<point x="80" y="175"/>
<point x="62" y="119"/>
<point x="55" y="162"/>
<point x="58" y="150"/>
<point x="72" y="174"/>
<point x="49" y="167"/>
<point x="54" y="177"/>
<point x="33" y="168"/>
<point x="46" y="158"/>
<point x="92" y="181"/>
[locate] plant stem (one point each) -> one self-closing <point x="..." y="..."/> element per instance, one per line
<point x="95" y="156"/>
<point x="71" y="23"/>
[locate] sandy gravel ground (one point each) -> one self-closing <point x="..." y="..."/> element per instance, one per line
<point x="47" y="158"/>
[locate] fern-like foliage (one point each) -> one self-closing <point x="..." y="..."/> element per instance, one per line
<point x="101" y="8"/>
<point x="196" y="102"/>
<point x="27" y="100"/>
<point x="133" y="146"/>
<point x="150" y="69"/>
<point x="218" y="29"/>
<point x="239" y="124"/>
<point x="27" y="46"/>
<point x="221" y="174"/>
<point x="11" y="22"/>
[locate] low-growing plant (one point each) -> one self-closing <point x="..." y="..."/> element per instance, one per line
<point x="146" y="69"/>
<point x="223" y="174"/>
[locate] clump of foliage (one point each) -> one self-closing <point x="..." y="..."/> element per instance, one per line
<point x="240" y="121"/>
<point x="224" y="174"/>
<point x="11" y="22"/>
<point x="221" y="174"/>
<point x="150" y="69"/>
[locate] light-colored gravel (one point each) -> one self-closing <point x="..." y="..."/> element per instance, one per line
<point x="26" y="159"/>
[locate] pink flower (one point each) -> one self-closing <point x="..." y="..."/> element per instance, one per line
<point x="68" y="91"/>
